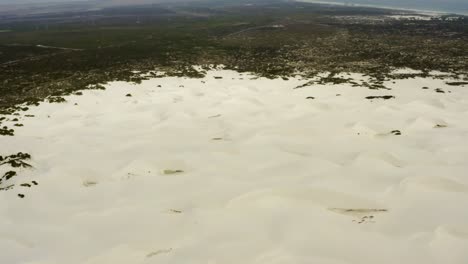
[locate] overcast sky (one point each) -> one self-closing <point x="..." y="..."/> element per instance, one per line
<point x="459" y="6"/>
<point x="19" y="2"/>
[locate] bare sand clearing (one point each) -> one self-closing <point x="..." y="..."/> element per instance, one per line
<point x="242" y="170"/>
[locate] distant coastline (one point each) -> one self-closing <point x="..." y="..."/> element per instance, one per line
<point x="421" y="11"/>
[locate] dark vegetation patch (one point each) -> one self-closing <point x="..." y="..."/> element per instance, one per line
<point x="5" y="131"/>
<point x="385" y="97"/>
<point x="373" y="83"/>
<point x="457" y="83"/>
<point x="56" y="99"/>
<point x="14" y="161"/>
<point x="86" y="49"/>
<point x="330" y="79"/>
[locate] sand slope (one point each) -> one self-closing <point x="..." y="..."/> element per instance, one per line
<point x="242" y="170"/>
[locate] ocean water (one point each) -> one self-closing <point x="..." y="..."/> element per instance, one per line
<point x="450" y="6"/>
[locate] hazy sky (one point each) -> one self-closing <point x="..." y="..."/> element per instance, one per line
<point x="459" y="6"/>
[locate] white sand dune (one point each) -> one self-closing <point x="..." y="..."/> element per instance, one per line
<point x="242" y="170"/>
